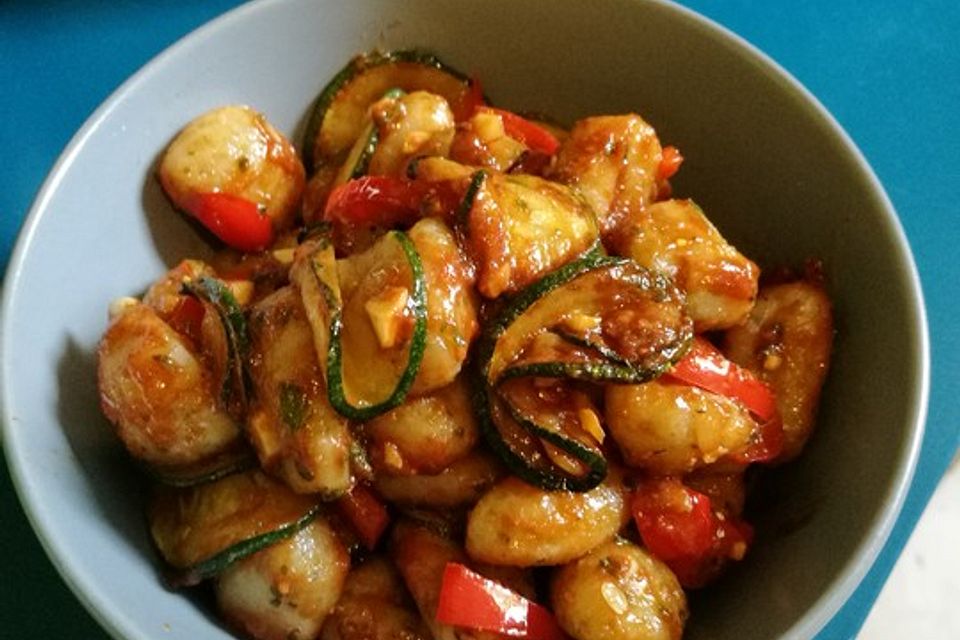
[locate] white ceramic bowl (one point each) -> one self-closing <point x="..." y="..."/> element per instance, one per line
<point x="769" y="165"/>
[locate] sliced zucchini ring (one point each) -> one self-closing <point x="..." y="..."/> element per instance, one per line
<point x="358" y="160"/>
<point x="369" y="365"/>
<point x="201" y="530"/>
<point x="337" y="119"/>
<point x="237" y="458"/>
<point x="597" y="319"/>
<point x="627" y="314"/>
<point x="235" y="341"/>
<point x="540" y="456"/>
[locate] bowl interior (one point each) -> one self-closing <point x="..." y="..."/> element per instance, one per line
<point x="770" y="168"/>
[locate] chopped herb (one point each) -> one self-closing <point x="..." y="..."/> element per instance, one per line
<point x="293" y="405"/>
<point x="277" y="597"/>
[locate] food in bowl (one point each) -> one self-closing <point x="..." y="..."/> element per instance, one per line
<point x="457" y="372"/>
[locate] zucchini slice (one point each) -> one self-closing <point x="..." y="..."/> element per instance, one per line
<point x="201" y="530"/>
<point x="610" y="304"/>
<point x="337" y="119"/>
<point x="369" y="316"/>
<point x="235" y="341"/>
<point x="597" y="319"/>
<point x="358" y="160"/>
<point x="236" y="458"/>
<point x="540" y="456"/>
<point x="560" y="355"/>
<point x="314" y="272"/>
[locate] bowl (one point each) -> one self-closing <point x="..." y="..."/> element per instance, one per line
<point x="769" y="165"/>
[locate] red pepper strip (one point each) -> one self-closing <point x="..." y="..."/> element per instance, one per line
<point x="235" y="220"/>
<point x="366" y="514"/>
<point x="467" y="599"/>
<point x="679" y="526"/>
<point x="670" y="163"/>
<point x="529" y="133"/>
<point x="469" y="102"/>
<point x="705" y="367"/>
<point x="375" y="200"/>
<point x="186" y="318"/>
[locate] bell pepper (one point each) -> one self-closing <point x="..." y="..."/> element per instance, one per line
<point x="681" y="527"/>
<point x="467" y="599"/>
<point x="238" y="222"/>
<point x="534" y="136"/>
<point x="705" y="367"/>
<point x="670" y="163"/>
<point x="375" y="200"/>
<point x="366" y="514"/>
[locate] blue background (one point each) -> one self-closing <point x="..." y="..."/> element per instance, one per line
<point x="889" y="71"/>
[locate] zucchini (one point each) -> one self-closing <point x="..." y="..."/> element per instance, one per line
<point x="520" y="446"/>
<point x="236" y="458"/>
<point x="314" y="272"/>
<point x="441" y="171"/>
<point x="597" y="319"/>
<point x="610" y="304"/>
<point x="462" y="214"/>
<point x="364" y="376"/>
<point x="358" y="160"/>
<point x="201" y="530"/>
<point x="216" y="295"/>
<point x="337" y="117"/>
<point x="560" y="355"/>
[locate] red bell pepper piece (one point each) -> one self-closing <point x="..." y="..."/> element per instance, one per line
<point x="680" y="526"/>
<point x="467" y="599"/>
<point x="705" y="367"/>
<point x="235" y="220"/>
<point x="375" y="200"/>
<point x="529" y="133"/>
<point x="186" y="318"/>
<point x="669" y="163"/>
<point x="365" y="513"/>
<point x="469" y="102"/>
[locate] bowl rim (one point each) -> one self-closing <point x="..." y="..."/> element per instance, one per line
<point x="120" y="626"/>
<point x="813" y="621"/>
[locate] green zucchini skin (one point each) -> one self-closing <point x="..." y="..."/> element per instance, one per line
<point x="320" y="107"/>
<point x="462" y="213"/>
<point x="178" y="578"/>
<point x="362" y="165"/>
<point x="208" y="568"/>
<point x="334" y="357"/>
<point x="348" y="73"/>
<point x="358" y="161"/>
<point x="593" y="362"/>
<point x="233" y="461"/>
<point x="611" y="367"/>
<point x="522" y="301"/>
<point x="616" y="367"/>
<point x="540" y="476"/>
<point x="235" y="391"/>
<point x="199" y="531"/>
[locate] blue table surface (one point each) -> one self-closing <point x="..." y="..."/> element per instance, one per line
<point x="889" y="71"/>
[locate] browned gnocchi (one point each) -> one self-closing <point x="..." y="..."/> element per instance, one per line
<point x="454" y="372"/>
